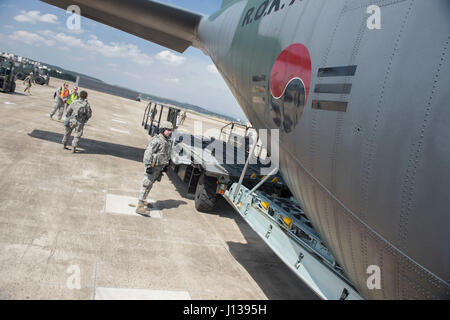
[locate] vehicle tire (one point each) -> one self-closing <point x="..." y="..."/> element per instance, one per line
<point x="20" y="76"/>
<point x="39" y="80"/>
<point x="205" y="194"/>
<point x="13" y="87"/>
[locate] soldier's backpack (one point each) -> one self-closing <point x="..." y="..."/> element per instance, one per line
<point x="82" y="114"/>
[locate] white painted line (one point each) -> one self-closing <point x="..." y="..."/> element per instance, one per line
<point x="120" y="121"/>
<point x="117" y="115"/>
<point x="139" y="294"/>
<point x="121" y="131"/>
<point x="7" y="102"/>
<point x="127" y="205"/>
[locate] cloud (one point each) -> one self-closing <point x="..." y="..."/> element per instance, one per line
<point x="173" y="80"/>
<point x="74" y="31"/>
<point x="125" y="51"/>
<point x="69" y="40"/>
<point x="62" y="38"/>
<point x="170" y="58"/>
<point x="212" y="68"/>
<point x="119" y="50"/>
<point x="35" y="16"/>
<point x="31" y="38"/>
<point x="47" y="33"/>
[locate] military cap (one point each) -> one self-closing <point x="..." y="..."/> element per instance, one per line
<point x="166" y="125"/>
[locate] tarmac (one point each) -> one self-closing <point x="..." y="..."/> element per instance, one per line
<point x="68" y="228"/>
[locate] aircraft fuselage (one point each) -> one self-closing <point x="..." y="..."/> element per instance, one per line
<point x="363" y="117"/>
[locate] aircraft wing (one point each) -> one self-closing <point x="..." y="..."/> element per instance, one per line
<point x="165" y="25"/>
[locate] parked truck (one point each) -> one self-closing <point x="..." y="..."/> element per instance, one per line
<point x="196" y="163"/>
<point x="40" y="73"/>
<point x="7" y="75"/>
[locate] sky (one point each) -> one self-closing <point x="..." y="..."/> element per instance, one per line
<point x="36" y="30"/>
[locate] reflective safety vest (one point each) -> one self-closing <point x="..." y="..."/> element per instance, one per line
<point x="64" y="93"/>
<point x="73" y="97"/>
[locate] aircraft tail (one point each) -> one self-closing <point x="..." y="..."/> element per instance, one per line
<point x="165" y="25"/>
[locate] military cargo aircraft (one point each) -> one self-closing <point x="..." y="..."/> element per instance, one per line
<point x="363" y="114"/>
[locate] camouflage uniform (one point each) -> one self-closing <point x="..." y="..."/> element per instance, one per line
<point x="183" y="117"/>
<point x="78" y="113"/>
<point x="59" y="103"/>
<point x="28" y="80"/>
<point x="156" y="157"/>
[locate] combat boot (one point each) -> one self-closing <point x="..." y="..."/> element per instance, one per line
<point x="148" y="204"/>
<point x="141" y="209"/>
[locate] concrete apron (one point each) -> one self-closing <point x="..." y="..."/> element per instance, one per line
<point x="68" y="229"/>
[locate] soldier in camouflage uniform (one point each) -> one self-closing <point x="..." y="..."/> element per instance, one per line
<point x="156" y="161"/>
<point x="61" y="96"/>
<point x="183" y="117"/>
<point x="78" y="113"/>
<point x="28" y="80"/>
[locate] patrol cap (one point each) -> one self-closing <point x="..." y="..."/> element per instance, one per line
<point x="166" y="125"/>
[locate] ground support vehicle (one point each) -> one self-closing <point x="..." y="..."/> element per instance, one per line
<point x="7" y="75"/>
<point x="206" y="170"/>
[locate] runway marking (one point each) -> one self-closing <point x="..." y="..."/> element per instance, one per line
<point x="120" y="121"/>
<point x="121" y="131"/>
<point x="102" y="293"/>
<point x="127" y="205"/>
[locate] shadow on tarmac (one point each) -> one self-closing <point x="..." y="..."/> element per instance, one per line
<point x="169" y="204"/>
<point x="19" y="93"/>
<point x="179" y="185"/>
<point x="90" y="146"/>
<point x="273" y="277"/>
